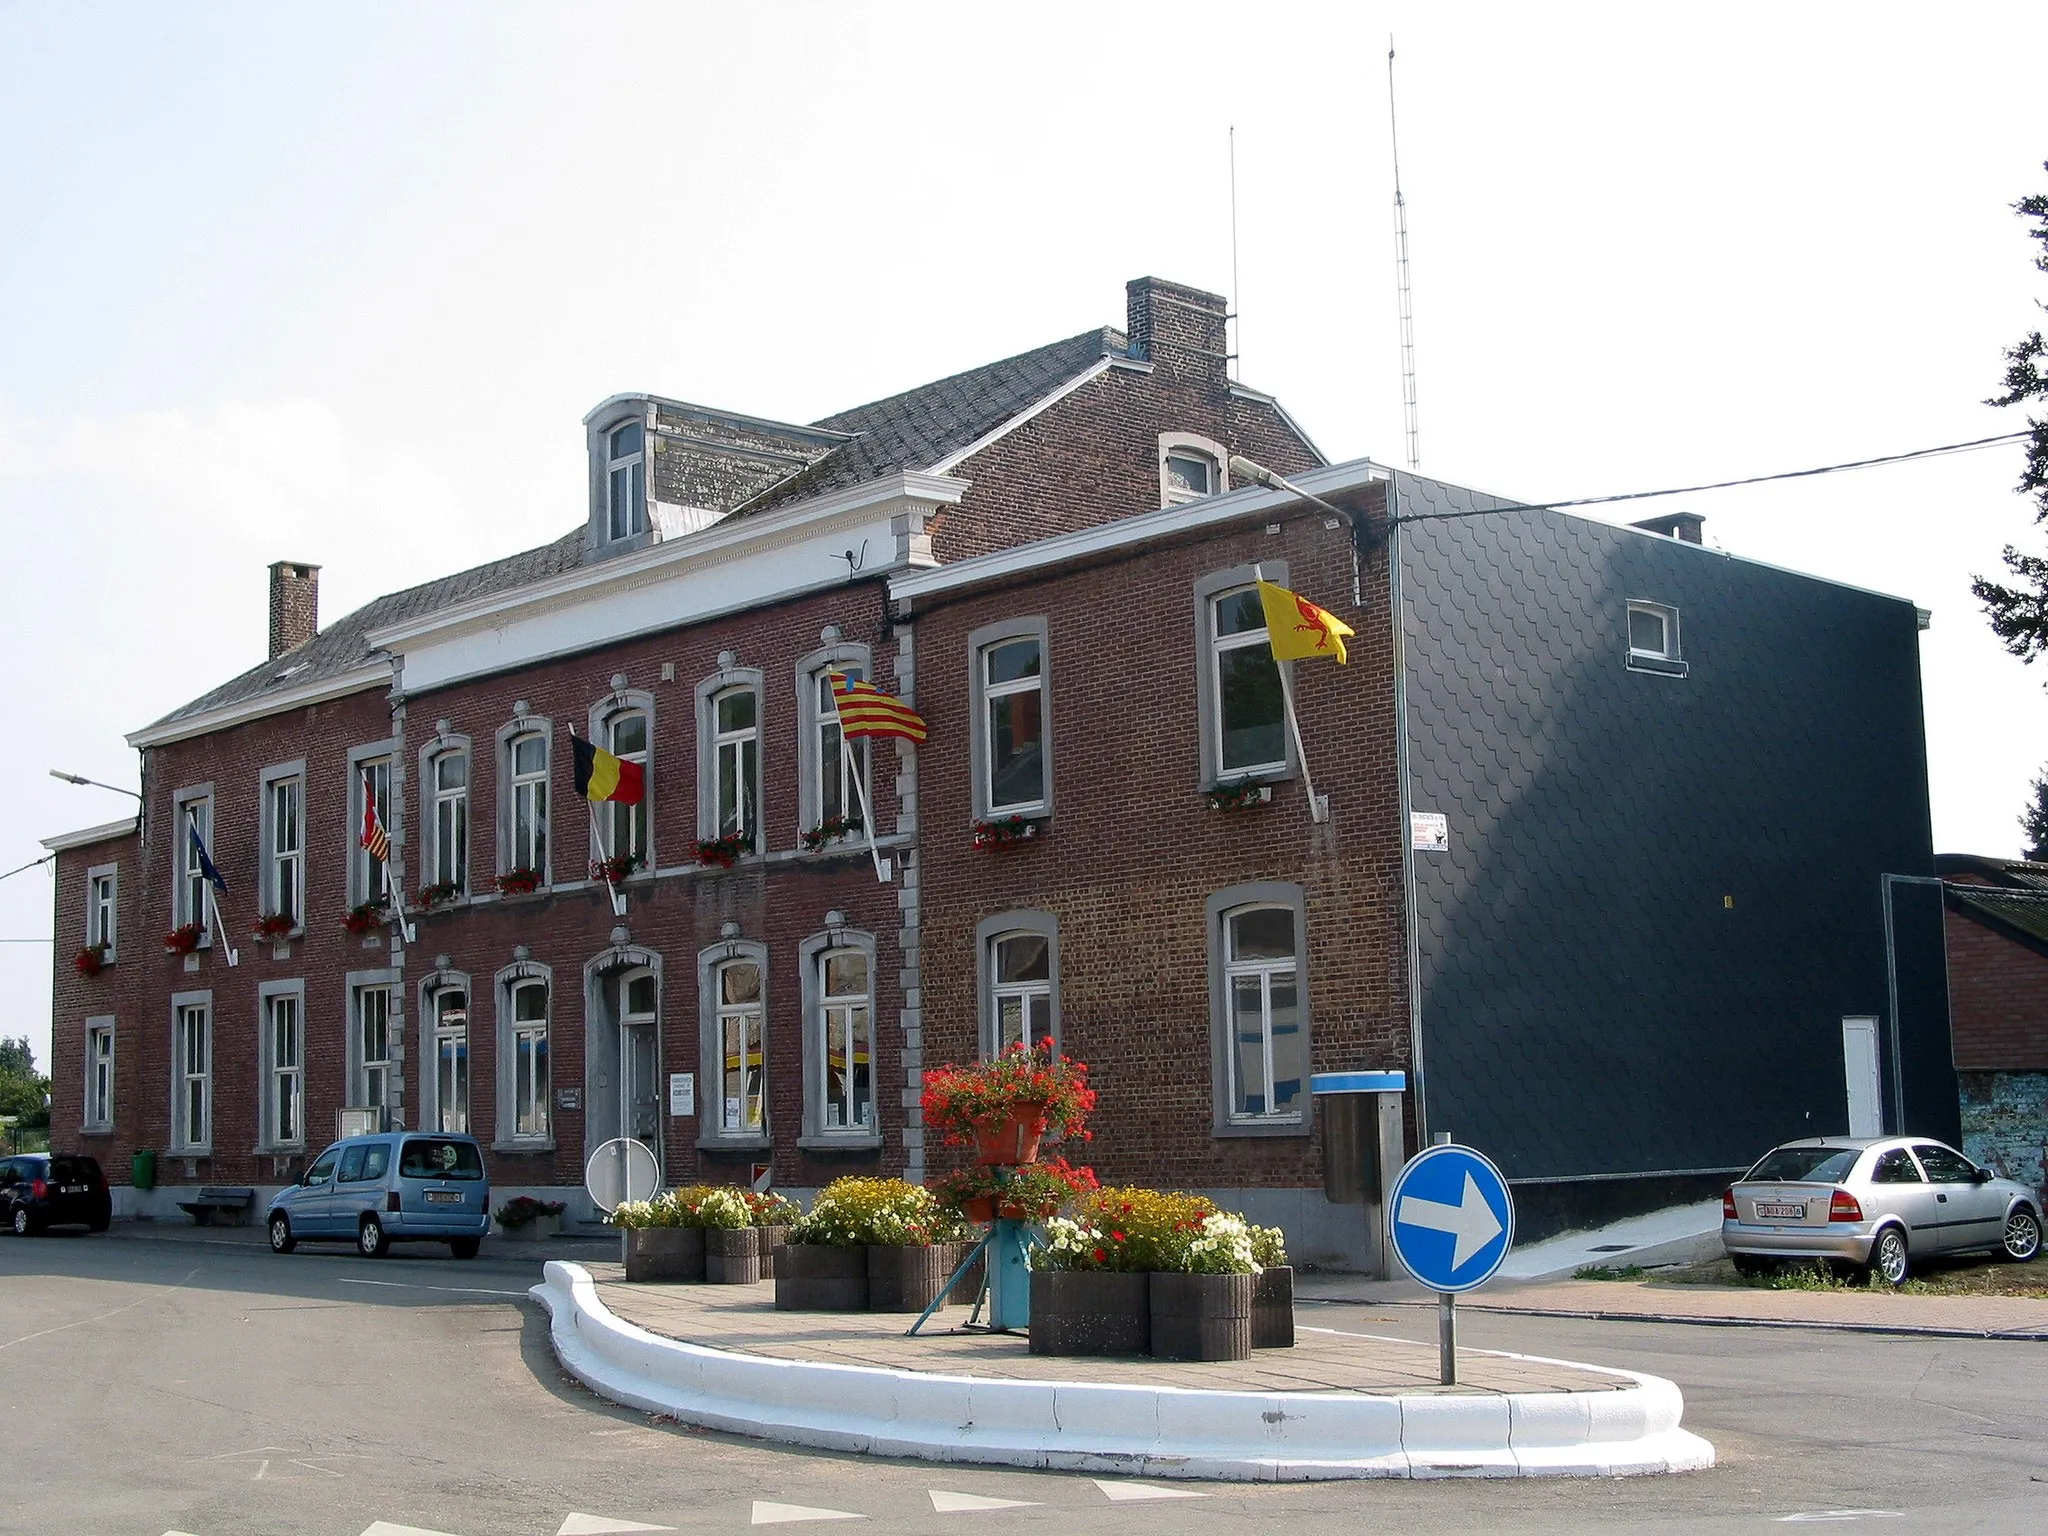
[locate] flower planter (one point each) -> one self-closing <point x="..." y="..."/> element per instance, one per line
<point x="1089" y="1312"/>
<point x="732" y="1255"/>
<point x="664" y="1253"/>
<point x="1273" y="1307"/>
<point x="812" y="1277"/>
<point x="1011" y="1141"/>
<point x="981" y="1210"/>
<point x="772" y="1241"/>
<point x="1201" y="1317"/>
<point x="907" y="1279"/>
<point x="967" y="1289"/>
<point x="538" y="1230"/>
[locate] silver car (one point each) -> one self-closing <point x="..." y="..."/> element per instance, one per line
<point x="1873" y="1206"/>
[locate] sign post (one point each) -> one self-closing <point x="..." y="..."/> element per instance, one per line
<point x="1450" y="1221"/>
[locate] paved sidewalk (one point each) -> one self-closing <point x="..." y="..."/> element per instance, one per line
<point x="1875" y="1308"/>
<point x="742" y="1319"/>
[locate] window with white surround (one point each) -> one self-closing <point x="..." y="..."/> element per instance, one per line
<point x="102" y="902"/>
<point x="732" y="995"/>
<point x="448" y="1016"/>
<point x="370" y="1039"/>
<point x="283" y="1052"/>
<point x="1190" y="467"/>
<point x="369" y="774"/>
<point x="526" y="756"/>
<point x="1009" y="749"/>
<point x="839" y="1039"/>
<point x="283" y="832"/>
<point x="99" y="1074"/>
<point x="192" y="1072"/>
<point x="1653" y="639"/>
<point x="524" y="1076"/>
<point x="833" y="768"/>
<point x="448" y="818"/>
<point x="626" y="481"/>
<point x="1019" y="966"/>
<point x="626" y="737"/>
<point x="1242" y="706"/>
<point x="193" y="813"/>
<point x="735" y="760"/>
<point x="1259" y="1008"/>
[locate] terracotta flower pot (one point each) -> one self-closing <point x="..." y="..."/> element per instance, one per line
<point x="1273" y="1307"/>
<point x="1201" y="1317"/>
<point x="981" y="1209"/>
<point x="732" y="1255"/>
<point x="772" y="1241"/>
<point x="1012" y="1141"/>
<point x="812" y="1277"/>
<point x="664" y="1253"/>
<point x="906" y="1279"/>
<point x="1089" y="1312"/>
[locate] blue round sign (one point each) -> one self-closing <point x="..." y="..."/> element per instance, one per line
<point x="1450" y="1219"/>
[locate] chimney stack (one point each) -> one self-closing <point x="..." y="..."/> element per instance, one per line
<point x="1179" y="330"/>
<point x="1684" y="526"/>
<point x="294" y="605"/>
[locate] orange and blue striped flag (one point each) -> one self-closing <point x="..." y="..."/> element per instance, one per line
<point x="864" y="710"/>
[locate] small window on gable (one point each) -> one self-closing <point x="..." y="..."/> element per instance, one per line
<point x="626" y="481"/>
<point x="1190" y="468"/>
<point x="1653" y="639"/>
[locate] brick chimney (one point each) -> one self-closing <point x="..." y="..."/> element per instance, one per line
<point x="1684" y="526"/>
<point x="294" y="605"/>
<point x="1179" y="330"/>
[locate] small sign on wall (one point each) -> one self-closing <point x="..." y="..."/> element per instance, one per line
<point x="568" y="1098"/>
<point x="682" y="1093"/>
<point x="1429" y="831"/>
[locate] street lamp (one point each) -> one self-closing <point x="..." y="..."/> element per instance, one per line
<point x="79" y="778"/>
<point x="1246" y="469"/>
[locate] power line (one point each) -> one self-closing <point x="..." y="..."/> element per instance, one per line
<point x="1720" y="485"/>
<point x="32" y="864"/>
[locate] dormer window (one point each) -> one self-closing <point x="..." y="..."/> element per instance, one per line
<point x="626" y="481"/>
<point x="1190" y="468"/>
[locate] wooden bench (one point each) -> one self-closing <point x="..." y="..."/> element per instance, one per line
<point x="232" y="1203"/>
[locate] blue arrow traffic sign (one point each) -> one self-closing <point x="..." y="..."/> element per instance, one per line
<point x="1450" y="1219"/>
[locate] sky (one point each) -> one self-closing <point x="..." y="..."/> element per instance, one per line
<point x="338" y="282"/>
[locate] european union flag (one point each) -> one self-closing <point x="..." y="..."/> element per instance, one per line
<point x="206" y="866"/>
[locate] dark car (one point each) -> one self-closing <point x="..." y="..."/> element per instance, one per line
<point x="42" y="1189"/>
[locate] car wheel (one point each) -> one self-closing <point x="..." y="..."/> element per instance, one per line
<point x="463" y="1247"/>
<point x="371" y="1240"/>
<point x="22" y="1225"/>
<point x="2022" y="1235"/>
<point x="101" y="1226"/>
<point x="281" y="1239"/>
<point x="1750" y="1267"/>
<point x="1888" y="1258"/>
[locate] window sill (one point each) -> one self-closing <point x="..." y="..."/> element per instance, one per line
<point x="1663" y="666"/>
<point x="282" y="1149"/>
<point x="95" y="1130"/>
<point x="851" y="1141"/>
<point x="525" y="1146"/>
<point x="1261" y="1128"/>
<point x="736" y="1142"/>
<point x="194" y="1152"/>
<point x="1268" y="777"/>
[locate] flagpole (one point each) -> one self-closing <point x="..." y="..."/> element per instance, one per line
<point x="883" y="870"/>
<point x="1317" y="810"/>
<point x="397" y="901"/>
<point x="221" y="923"/>
<point x="597" y="842"/>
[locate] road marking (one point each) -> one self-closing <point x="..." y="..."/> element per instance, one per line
<point x="599" y="1525"/>
<point x="1839" y="1516"/>
<point x="1129" y="1493"/>
<point x="789" y="1514"/>
<point x="958" y="1503"/>
<point x="386" y="1528"/>
<point x="452" y="1290"/>
<point x="83" y="1321"/>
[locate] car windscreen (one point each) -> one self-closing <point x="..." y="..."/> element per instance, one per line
<point x="431" y="1157"/>
<point x="1808" y="1165"/>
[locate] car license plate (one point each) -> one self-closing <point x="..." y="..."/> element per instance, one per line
<point x="444" y="1197"/>
<point x="1780" y="1212"/>
<point x="73" y="1189"/>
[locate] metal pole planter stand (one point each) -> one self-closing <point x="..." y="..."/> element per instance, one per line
<point x="1006" y="1291"/>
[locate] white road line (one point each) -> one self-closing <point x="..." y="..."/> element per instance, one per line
<point x="958" y="1503"/>
<point x="1131" y="1493"/>
<point x="790" y="1514"/>
<point x="406" y="1285"/>
<point x="83" y="1321"/>
<point x="1839" y="1516"/>
<point x="600" y="1525"/>
<point x="385" y="1528"/>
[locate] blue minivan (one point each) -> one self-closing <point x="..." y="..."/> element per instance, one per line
<point x="395" y="1187"/>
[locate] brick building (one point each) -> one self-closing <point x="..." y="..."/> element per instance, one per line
<point x="1053" y="557"/>
<point x="1997" y="915"/>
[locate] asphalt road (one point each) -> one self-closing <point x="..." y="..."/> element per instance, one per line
<point x="149" y="1386"/>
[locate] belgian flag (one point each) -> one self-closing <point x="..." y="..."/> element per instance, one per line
<point x="601" y="776"/>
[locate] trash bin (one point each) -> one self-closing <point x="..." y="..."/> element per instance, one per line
<point x="1359" y="1114"/>
<point x="143" y="1174"/>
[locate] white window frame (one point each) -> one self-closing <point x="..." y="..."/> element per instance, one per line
<point x="283" y="873"/>
<point x="711" y="745"/>
<point x="988" y="934"/>
<point x="604" y="721"/>
<point x="1191" y="445"/>
<point x="434" y="1028"/>
<point x="280" y="1077"/>
<point x="510" y="783"/>
<point x="1208" y="591"/>
<point x="373" y="1080"/>
<point x="191" y="1076"/>
<point x="1668" y="662"/>
<point x="188" y="885"/>
<point x="813" y="952"/>
<point x="981" y="742"/>
<point x="366" y="876"/>
<point x="616" y="464"/>
<point x="820" y="725"/>
<point x="510" y="983"/>
<point x="1220" y="908"/>
<point x="457" y="805"/>
<point x="99" y="1074"/>
<point x="103" y="909"/>
<point x="712" y="1013"/>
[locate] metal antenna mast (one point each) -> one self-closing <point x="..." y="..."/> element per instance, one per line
<point x="1401" y="274"/>
<point x="1236" y="346"/>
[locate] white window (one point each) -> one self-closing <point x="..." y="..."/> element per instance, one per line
<point x="627" y="732"/>
<point x="448" y="783"/>
<point x="188" y="902"/>
<point x="1190" y="468"/>
<point x="841" y="765"/>
<point x="372" y="1086"/>
<point x="845" y="1040"/>
<point x="735" y="762"/>
<point x="529" y="1052"/>
<point x="1020" y="971"/>
<point x="284" y="1109"/>
<point x="284" y="853"/>
<point x="1010" y="746"/>
<point x="450" y="1010"/>
<point x="99" y="1076"/>
<point x="626" y="481"/>
<point x="1246" y="708"/>
<point x="367" y="879"/>
<point x="1266" y="1054"/>
<point x="102" y="884"/>
<point x="1653" y="639"/>
<point x="529" y="819"/>
<point x="192" y="1075"/>
<point x="742" y="1101"/>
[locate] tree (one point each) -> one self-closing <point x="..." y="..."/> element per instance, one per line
<point x="2034" y="822"/>
<point x="2019" y="613"/>
<point x="24" y="1091"/>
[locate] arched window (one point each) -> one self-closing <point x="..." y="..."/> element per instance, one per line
<point x="448" y="787"/>
<point x="1020" y="973"/>
<point x="741" y="1105"/>
<point x="528" y="826"/>
<point x="735" y="761"/>
<point x="846" y="1040"/>
<point x="529" y="1056"/>
<point x="628" y="732"/>
<point x="448" y="1010"/>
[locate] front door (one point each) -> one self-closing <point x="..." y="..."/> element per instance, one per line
<point x="1859" y="1063"/>
<point x="1970" y="1215"/>
<point x="640" y="1101"/>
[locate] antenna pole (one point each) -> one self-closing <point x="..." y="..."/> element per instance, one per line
<point x="1401" y="276"/>
<point x="1237" y="332"/>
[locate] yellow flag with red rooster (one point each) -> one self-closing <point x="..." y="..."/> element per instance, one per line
<point x="1298" y="629"/>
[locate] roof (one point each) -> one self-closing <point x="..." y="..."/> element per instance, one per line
<point x="85" y="837"/>
<point x="2021" y="914"/>
<point x="1976" y="869"/>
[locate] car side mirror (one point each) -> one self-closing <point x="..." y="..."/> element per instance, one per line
<point x="1980" y="1175"/>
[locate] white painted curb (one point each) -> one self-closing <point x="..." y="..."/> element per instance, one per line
<point x="1096" y="1427"/>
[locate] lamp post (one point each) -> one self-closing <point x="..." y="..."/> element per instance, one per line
<point x="1249" y="469"/>
<point x="79" y="778"/>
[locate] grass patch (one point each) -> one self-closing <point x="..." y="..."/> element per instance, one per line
<point x="1931" y="1277"/>
<point x="1609" y="1272"/>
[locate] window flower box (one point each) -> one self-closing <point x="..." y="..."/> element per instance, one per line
<point x="724" y="851"/>
<point x="830" y="831"/>
<point x="90" y="961"/>
<point x="184" y="939"/>
<point x="615" y="869"/>
<point x="521" y="881"/>
<point x="1241" y="796"/>
<point x="525" y="1219"/>
<point x="437" y="895"/>
<point x="273" y="925"/>
<point x="365" y="917"/>
<point x="1003" y="832"/>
